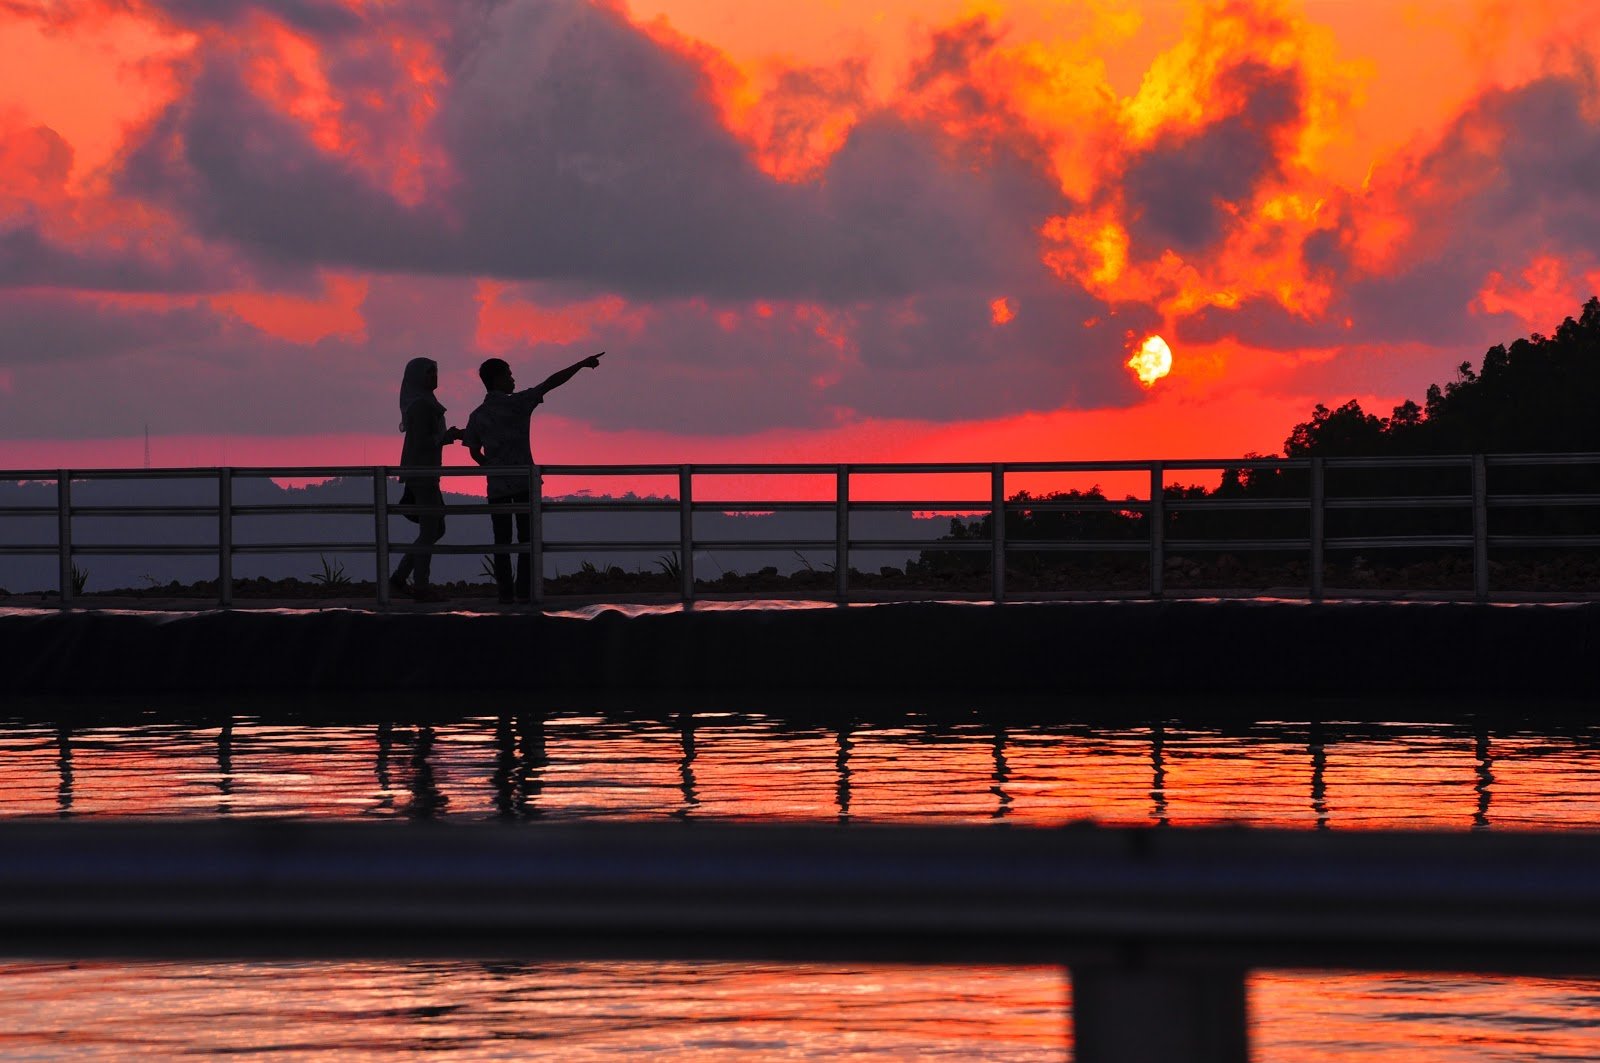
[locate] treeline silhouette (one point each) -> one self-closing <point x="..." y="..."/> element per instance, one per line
<point x="1539" y="395"/>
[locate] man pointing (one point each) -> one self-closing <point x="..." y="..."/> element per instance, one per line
<point x="497" y="434"/>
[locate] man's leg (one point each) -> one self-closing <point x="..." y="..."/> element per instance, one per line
<point x="502" y="562"/>
<point x="524" y="561"/>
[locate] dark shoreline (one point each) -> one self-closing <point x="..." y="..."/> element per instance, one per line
<point x="1120" y="649"/>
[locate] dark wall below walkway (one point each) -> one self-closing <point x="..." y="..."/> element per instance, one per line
<point x="1133" y="648"/>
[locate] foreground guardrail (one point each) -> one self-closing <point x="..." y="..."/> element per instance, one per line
<point x="1158" y="926"/>
<point x="1154" y="508"/>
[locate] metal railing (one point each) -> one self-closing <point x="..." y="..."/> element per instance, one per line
<point x="1158" y="927"/>
<point x="1156" y="508"/>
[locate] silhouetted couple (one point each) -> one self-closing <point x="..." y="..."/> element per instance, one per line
<point x="496" y="435"/>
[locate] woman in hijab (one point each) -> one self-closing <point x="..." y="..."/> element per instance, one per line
<point x="422" y="420"/>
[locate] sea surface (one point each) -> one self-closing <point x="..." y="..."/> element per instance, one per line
<point x="1307" y="767"/>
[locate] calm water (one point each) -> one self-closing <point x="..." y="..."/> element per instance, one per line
<point x="737" y="765"/>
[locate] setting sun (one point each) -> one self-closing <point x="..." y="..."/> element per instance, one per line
<point x="1152" y="361"/>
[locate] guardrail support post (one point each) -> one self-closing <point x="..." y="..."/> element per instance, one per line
<point x="997" y="527"/>
<point x="1318" y="511"/>
<point x="535" y="536"/>
<point x="380" y="510"/>
<point x="225" y="538"/>
<point x="64" y="532"/>
<point x="1132" y="1015"/>
<point x="1158" y="527"/>
<point x="686" y="530"/>
<point x="841" y="533"/>
<point x="1480" y="528"/>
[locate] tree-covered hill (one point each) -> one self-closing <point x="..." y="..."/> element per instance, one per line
<point x="1541" y="394"/>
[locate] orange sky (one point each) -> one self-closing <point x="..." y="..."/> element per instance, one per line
<point x="895" y="230"/>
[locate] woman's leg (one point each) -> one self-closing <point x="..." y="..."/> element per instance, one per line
<point x="430" y="527"/>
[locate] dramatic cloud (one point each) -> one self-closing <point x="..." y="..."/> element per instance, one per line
<point x="1184" y="188"/>
<point x="573" y="148"/>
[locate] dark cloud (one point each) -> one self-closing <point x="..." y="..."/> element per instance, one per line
<point x="954" y="51"/>
<point x="241" y="171"/>
<point x="1541" y="178"/>
<point x="84" y="365"/>
<point x="1179" y="189"/>
<point x="1515" y="177"/>
<point x="313" y="16"/>
<point x="40" y="245"/>
<point x="1519" y="177"/>
<point x="582" y="151"/>
<point x="30" y="259"/>
<point x="57" y="327"/>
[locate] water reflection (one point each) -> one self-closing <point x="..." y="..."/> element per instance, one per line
<point x="385" y="742"/>
<point x="1485" y="779"/>
<point x="225" y="767"/>
<point x="533" y="765"/>
<point x="1158" y="776"/>
<point x="427" y="800"/>
<point x="64" y="771"/>
<point x="1319" y="776"/>
<point x="686" y="766"/>
<point x="1001" y="774"/>
<point x="842" y="765"/>
<point x="526" y="763"/>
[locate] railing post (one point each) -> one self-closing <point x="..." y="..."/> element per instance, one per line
<point x="1158" y="527"/>
<point x="1132" y="1015"/>
<point x="841" y="532"/>
<point x="686" y="530"/>
<point x="225" y="537"/>
<point x="1480" y="528"/>
<point x="380" y="512"/>
<point x="535" y="535"/>
<point x="64" y="532"/>
<point x="997" y="525"/>
<point x="1318" y="511"/>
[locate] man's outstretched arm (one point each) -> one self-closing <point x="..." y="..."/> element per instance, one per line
<point x="555" y="380"/>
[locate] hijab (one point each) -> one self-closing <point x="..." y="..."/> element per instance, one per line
<point x="415" y="386"/>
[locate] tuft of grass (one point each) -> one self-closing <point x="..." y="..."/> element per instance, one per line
<point x="332" y="574"/>
<point x="80" y="579"/>
<point x="670" y="565"/>
<point x="826" y="567"/>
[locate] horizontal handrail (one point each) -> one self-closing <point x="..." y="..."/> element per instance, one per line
<point x="1548" y="541"/>
<point x="1414" y="502"/>
<point x="1073" y="545"/>
<point x="1544" y="500"/>
<point x="1386" y="542"/>
<point x="1419" y="461"/>
<point x="146" y="511"/>
<point x="1232" y="504"/>
<point x="1543" y="459"/>
<point x="1240" y="544"/>
<point x="1236" y="897"/>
